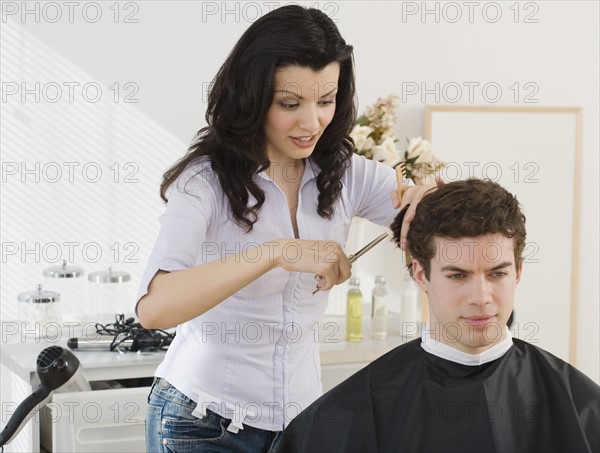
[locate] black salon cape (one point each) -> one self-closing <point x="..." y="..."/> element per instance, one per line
<point x="409" y="400"/>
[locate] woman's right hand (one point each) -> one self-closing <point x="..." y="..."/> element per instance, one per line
<point x="176" y="297"/>
<point x="324" y="258"/>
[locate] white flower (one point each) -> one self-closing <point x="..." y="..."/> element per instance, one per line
<point x="387" y="152"/>
<point x="421" y="149"/>
<point x="375" y="138"/>
<point x="362" y="141"/>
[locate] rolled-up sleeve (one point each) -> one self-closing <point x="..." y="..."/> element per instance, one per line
<point x="183" y="226"/>
<point x="370" y="184"/>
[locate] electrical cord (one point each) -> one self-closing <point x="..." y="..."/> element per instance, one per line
<point x="130" y="336"/>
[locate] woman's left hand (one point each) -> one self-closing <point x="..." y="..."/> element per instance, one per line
<point x="411" y="196"/>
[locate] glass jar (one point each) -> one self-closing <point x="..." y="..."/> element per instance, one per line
<point x="39" y="312"/>
<point x="68" y="282"/>
<point x="109" y="295"/>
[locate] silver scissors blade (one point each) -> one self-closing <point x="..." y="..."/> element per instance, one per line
<point x="360" y="253"/>
<point x="367" y="247"/>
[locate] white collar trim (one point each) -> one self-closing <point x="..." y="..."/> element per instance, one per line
<point x="448" y="352"/>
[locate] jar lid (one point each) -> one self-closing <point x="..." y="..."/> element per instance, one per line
<point x="63" y="271"/>
<point x="109" y="276"/>
<point x="38" y="296"/>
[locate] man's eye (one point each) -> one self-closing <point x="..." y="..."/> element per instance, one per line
<point x="456" y="276"/>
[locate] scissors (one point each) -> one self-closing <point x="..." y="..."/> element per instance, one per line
<point x="360" y="253"/>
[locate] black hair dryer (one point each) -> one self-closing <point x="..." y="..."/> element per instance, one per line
<point x="59" y="371"/>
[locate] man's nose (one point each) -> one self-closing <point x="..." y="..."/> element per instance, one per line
<point x="480" y="291"/>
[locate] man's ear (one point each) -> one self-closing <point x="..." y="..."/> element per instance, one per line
<point x="419" y="275"/>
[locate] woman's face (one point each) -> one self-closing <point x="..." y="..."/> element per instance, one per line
<point x="303" y="106"/>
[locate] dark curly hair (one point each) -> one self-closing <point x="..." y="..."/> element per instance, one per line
<point x="462" y="209"/>
<point x="242" y="93"/>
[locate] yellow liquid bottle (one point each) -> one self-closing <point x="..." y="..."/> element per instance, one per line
<point x="354" y="312"/>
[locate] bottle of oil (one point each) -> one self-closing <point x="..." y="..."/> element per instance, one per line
<point x="410" y="313"/>
<point x="379" y="309"/>
<point x="354" y="311"/>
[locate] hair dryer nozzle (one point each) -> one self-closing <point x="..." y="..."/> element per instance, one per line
<point x="55" y="366"/>
<point x="58" y="370"/>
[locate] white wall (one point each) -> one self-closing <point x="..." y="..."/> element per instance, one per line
<point x="169" y="56"/>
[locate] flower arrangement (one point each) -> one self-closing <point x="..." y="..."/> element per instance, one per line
<point x="420" y="164"/>
<point x="374" y="137"/>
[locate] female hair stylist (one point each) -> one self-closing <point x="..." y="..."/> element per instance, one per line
<point x="258" y="206"/>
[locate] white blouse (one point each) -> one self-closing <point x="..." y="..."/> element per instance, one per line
<point x="254" y="358"/>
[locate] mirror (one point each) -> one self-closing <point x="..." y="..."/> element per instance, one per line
<point x="535" y="153"/>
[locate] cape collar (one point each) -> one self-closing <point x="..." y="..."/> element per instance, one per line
<point x="447" y="352"/>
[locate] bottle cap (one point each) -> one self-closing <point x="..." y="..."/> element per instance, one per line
<point x="379" y="279"/>
<point x="355" y="281"/>
<point x="63" y="271"/>
<point x="38" y="296"/>
<point x="109" y="276"/>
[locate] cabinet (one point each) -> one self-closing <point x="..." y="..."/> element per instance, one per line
<point x="94" y="421"/>
<point x="113" y="420"/>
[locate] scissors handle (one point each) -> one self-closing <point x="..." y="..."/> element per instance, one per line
<point x="360" y="253"/>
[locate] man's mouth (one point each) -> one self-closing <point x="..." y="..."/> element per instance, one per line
<point x="478" y="321"/>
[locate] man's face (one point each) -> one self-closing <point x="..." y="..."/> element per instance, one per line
<point x="471" y="290"/>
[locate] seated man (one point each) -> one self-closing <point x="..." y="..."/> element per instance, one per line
<point x="466" y="384"/>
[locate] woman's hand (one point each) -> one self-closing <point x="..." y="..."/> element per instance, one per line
<point x="177" y="297"/>
<point x="326" y="259"/>
<point x="412" y="196"/>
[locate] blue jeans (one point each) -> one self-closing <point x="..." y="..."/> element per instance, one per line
<point x="171" y="427"/>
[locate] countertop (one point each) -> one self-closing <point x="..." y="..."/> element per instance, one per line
<point x="19" y="352"/>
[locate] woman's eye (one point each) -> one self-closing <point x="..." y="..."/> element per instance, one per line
<point x="287" y="106"/>
<point x="327" y="102"/>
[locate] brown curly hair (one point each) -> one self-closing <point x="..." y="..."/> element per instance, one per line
<point x="460" y="209"/>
